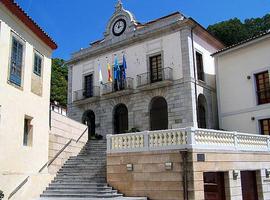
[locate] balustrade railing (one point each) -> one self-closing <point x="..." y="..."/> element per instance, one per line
<point x="85" y="94"/>
<point x="118" y="86"/>
<point x="148" y="78"/>
<point x="187" y="138"/>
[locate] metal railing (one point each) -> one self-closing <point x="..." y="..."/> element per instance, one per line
<point x="84" y="94"/>
<point x="148" y="78"/>
<point x="47" y="164"/>
<point x="118" y="86"/>
<point x="187" y="138"/>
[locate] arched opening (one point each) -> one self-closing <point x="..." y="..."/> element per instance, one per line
<point x="158" y="114"/>
<point x="89" y="120"/>
<point x="202" y="112"/>
<point x="120" y="119"/>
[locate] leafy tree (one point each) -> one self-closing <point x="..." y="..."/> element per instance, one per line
<point x="59" y="80"/>
<point x="233" y="30"/>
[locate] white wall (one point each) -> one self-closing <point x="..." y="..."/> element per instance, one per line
<point x="136" y="57"/>
<point x="17" y="160"/>
<point x="237" y="97"/>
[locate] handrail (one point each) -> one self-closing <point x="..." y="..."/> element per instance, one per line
<point x="48" y="163"/>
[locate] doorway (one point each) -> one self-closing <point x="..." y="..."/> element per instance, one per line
<point x="249" y="185"/>
<point x="89" y="120"/>
<point x="158" y="114"/>
<point x="214" y="187"/>
<point x="120" y="119"/>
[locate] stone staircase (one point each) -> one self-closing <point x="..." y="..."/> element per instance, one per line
<point x="84" y="176"/>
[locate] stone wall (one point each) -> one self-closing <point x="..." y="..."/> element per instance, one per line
<point x="181" y="110"/>
<point x="62" y="130"/>
<point x="149" y="176"/>
<point x="227" y="162"/>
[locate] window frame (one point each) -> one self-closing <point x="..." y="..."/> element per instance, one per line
<point x="260" y="125"/>
<point x="27" y="138"/>
<point x="200" y="73"/>
<point x="14" y="36"/>
<point x="149" y="57"/>
<point x="255" y="75"/>
<point x="41" y="57"/>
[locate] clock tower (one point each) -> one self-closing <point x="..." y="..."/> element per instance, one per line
<point x="121" y="24"/>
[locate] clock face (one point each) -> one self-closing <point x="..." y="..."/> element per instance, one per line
<point x="119" y="27"/>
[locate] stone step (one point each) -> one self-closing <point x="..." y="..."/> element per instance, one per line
<point x="82" y="195"/>
<point x="83" y="186"/>
<point x="79" y="191"/>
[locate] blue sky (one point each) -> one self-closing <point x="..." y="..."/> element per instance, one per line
<point x="73" y="24"/>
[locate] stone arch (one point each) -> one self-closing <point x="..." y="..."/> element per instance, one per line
<point x="158" y="109"/>
<point x="202" y="112"/>
<point x="120" y="118"/>
<point x="89" y="119"/>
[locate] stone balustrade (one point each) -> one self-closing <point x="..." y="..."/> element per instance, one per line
<point x="187" y="138"/>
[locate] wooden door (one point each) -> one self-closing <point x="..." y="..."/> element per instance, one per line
<point x="121" y="119"/>
<point x="214" y="186"/>
<point x="249" y="185"/>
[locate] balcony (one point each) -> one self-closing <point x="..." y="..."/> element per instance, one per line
<point x="118" y="88"/>
<point x="90" y="95"/>
<point x="146" y="81"/>
<point x="187" y="138"/>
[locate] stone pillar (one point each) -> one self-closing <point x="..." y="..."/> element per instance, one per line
<point x="233" y="189"/>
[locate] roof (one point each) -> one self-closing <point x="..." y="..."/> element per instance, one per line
<point x="16" y="10"/>
<point x="239" y="44"/>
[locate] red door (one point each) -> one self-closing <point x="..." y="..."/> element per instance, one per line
<point x="249" y="185"/>
<point x="214" y="186"/>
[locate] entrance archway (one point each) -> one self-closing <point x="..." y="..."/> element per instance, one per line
<point x="158" y="114"/>
<point x="89" y="120"/>
<point x="202" y="112"/>
<point x="120" y="119"/>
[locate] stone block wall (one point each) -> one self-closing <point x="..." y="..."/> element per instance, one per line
<point x="181" y="110"/>
<point x="62" y="130"/>
<point x="149" y="176"/>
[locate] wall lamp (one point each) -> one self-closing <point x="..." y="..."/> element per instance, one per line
<point x="168" y="165"/>
<point x="235" y="174"/>
<point x="129" y="167"/>
<point x="267" y="173"/>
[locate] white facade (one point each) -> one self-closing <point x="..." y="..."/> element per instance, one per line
<point x="174" y="37"/>
<point x="27" y="100"/>
<point x="237" y="67"/>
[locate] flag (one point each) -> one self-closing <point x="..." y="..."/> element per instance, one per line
<point x="124" y="67"/>
<point x="100" y="74"/>
<point x="109" y="73"/>
<point x="116" y="68"/>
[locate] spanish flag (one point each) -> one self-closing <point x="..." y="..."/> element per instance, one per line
<point x="109" y="73"/>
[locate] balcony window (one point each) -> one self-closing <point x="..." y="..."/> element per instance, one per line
<point x="199" y="63"/>
<point x="16" y="62"/>
<point x="265" y="126"/>
<point x="155" y="63"/>
<point x="263" y="87"/>
<point x="88" y="86"/>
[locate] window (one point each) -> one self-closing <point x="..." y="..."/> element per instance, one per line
<point x="265" y="126"/>
<point x="16" y="62"/>
<point x="155" y="68"/>
<point x="27" y="135"/>
<point x="263" y="87"/>
<point x="88" y="86"/>
<point x="199" y="63"/>
<point x="37" y="64"/>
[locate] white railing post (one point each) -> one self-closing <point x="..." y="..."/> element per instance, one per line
<point x="235" y="140"/>
<point x="146" y="140"/>
<point x="109" y="137"/>
<point x="191" y="136"/>
<point x="268" y="143"/>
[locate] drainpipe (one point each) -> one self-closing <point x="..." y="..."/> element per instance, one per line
<point x="184" y="155"/>
<point x="195" y="75"/>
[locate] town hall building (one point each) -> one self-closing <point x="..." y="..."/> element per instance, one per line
<point x="167" y="78"/>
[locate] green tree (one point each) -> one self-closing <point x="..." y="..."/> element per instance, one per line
<point x="230" y="31"/>
<point x="59" y="79"/>
<point x="233" y="30"/>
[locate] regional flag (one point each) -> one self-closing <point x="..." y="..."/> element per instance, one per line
<point x="109" y="73"/>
